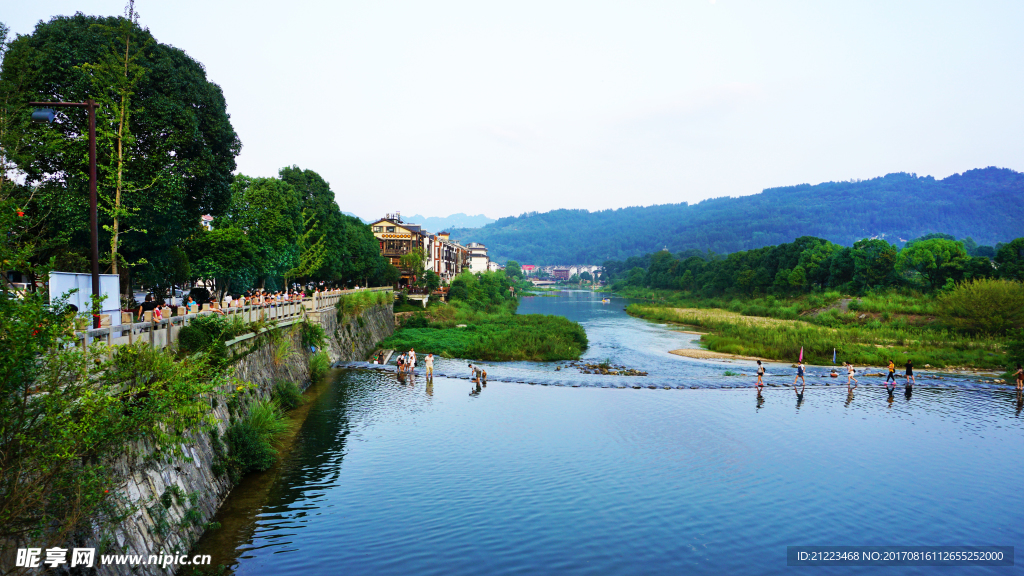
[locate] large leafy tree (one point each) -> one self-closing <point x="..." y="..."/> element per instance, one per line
<point x="874" y="263"/>
<point x="933" y="261"/>
<point x="351" y="252"/>
<point x="1010" y="260"/>
<point x="269" y="211"/>
<point x="167" y="147"/>
<point x="224" y="255"/>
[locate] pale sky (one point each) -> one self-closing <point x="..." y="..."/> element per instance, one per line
<point x="506" y="107"/>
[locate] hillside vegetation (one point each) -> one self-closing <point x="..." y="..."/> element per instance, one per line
<point x="932" y="301"/>
<point x="897" y="207"/>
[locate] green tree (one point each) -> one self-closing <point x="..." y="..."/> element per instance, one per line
<point x="67" y="412"/>
<point x="268" y="211"/>
<point x="932" y="262"/>
<point x="1010" y="260"/>
<point x="414" y="262"/>
<point x="874" y="263"/>
<point x="513" y="270"/>
<point x="177" y="145"/>
<point x="430" y="280"/>
<point x="985" y="305"/>
<point x="222" y="255"/>
<point x="586" y="276"/>
<point x="313" y="250"/>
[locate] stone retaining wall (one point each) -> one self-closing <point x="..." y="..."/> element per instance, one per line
<point x="154" y="529"/>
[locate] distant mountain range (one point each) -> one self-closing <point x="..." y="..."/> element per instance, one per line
<point x="984" y="204"/>
<point x="446" y="223"/>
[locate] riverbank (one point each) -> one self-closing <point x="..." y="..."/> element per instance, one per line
<point x="872" y="344"/>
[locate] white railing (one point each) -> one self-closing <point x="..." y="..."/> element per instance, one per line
<point x="164" y="332"/>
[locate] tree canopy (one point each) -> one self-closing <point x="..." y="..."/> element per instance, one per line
<point x="808" y="264"/>
<point x="177" y="162"/>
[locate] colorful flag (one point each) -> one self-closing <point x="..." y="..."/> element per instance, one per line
<point x="801" y="353"/>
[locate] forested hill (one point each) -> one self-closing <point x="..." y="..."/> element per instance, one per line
<point x="985" y="204"/>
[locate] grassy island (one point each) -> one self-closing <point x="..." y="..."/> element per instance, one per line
<point x="480" y="322"/>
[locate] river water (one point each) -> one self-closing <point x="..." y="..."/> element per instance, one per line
<point x="584" y="474"/>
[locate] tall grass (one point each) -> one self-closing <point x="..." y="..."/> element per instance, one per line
<point x="319" y="365"/>
<point x="873" y="343"/>
<point x="355" y="303"/>
<point x="250" y="439"/>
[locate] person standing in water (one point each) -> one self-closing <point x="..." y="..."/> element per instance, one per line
<point x="430" y="365"/>
<point x="910" y="373"/>
<point x="892" y="374"/>
<point x="800" y="374"/>
<point x="760" y="376"/>
<point x="849" y="375"/>
<point x="1019" y="375"/>
<point x="412" y="361"/>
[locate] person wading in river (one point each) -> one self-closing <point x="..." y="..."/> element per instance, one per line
<point x="760" y="376"/>
<point x="799" y="374"/>
<point x="430" y="365"/>
<point x="1020" y="378"/>
<point x="910" y="374"/>
<point x="849" y="375"/>
<point x="892" y="374"/>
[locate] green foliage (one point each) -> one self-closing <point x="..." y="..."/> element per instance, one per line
<point x="1010" y="260"/>
<point x="931" y="263"/>
<point x="870" y="344"/>
<point x="287" y="395"/>
<point x="513" y="270"/>
<point x="313" y="335"/>
<point x="222" y="255"/>
<point x="415" y="261"/>
<point x="985" y="305"/>
<point x="513" y="337"/>
<point x="319" y="365"/>
<point x="65" y="413"/>
<point x="250" y="439"/>
<point x="1015" y="350"/>
<point x="977" y="203"/>
<point x="178" y="146"/>
<point x="430" y="280"/>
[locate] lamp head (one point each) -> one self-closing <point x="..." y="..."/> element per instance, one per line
<point x="43" y="115"/>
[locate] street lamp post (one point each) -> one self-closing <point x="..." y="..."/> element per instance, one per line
<point x="45" y="114"/>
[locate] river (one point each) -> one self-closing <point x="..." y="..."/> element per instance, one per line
<point x="583" y="474"/>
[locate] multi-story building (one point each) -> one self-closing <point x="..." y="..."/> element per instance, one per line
<point x="446" y="257"/>
<point x="442" y="255"/>
<point x="397" y="239"/>
<point x="477" y="257"/>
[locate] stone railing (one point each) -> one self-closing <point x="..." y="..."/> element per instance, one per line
<point x="164" y="332"/>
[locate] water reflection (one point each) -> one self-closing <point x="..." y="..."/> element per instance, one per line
<point x="403" y="475"/>
<point x="643" y="345"/>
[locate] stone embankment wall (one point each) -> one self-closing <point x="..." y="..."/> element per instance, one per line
<point x="189" y="483"/>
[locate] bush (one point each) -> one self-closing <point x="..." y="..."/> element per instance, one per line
<point x="250" y="438"/>
<point x="200" y="334"/>
<point x="985" y="305"/>
<point x="288" y="395"/>
<point x="417" y="320"/>
<point x="313" y="335"/>
<point x="319" y="365"/>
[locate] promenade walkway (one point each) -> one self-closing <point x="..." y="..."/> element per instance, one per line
<point x="164" y="332"/>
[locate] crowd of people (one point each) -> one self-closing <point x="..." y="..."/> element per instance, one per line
<point x="852" y="383"/>
<point x="256" y="297"/>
